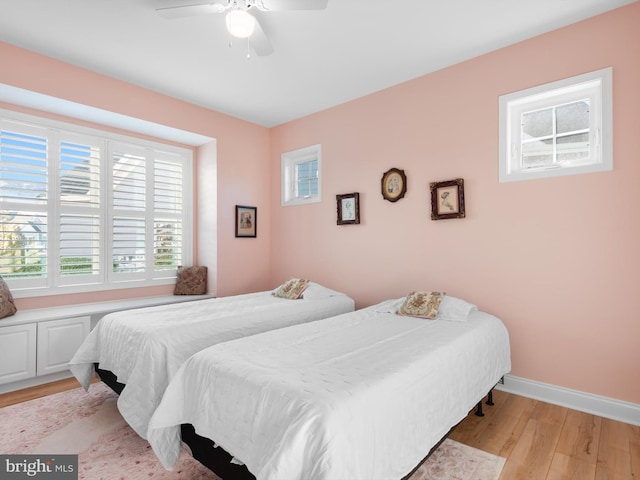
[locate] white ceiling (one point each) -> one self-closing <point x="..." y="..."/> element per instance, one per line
<point x="321" y="59"/>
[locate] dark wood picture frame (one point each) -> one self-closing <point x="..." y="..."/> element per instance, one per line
<point x="393" y="184"/>
<point x="246" y="221"/>
<point x="447" y="199"/>
<point x="348" y="206"/>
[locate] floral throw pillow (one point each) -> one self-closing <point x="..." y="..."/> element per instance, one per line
<point x="191" y="281"/>
<point x="421" y="304"/>
<point x="291" y="289"/>
<point x="7" y="307"/>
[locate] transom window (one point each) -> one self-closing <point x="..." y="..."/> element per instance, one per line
<point x="301" y="176"/>
<point x="84" y="210"/>
<point x="557" y="129"/>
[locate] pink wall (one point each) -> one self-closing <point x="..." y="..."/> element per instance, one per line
<point x="242" y="150"/>
<point x="556" y="259"/>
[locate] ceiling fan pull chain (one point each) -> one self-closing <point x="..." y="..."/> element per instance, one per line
<point x="248" y="48"/>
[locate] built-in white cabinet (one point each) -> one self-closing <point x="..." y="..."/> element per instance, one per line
<point x="17" y="352"/>
<point x="36" y="345"/>
<point x="58" y="341"/>
<point x="34" y="349"/>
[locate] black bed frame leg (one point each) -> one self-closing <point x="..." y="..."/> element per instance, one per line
<point x="479" y="412"/>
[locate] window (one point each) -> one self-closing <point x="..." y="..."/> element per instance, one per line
<point x="301" y="176"/>
<point x="84" y="210"/>
<point x="562" y="128"/>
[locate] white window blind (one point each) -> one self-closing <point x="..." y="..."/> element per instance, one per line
<point x="79" y="232"/>
<point x="82" y="211"/>
<point x="129" y="173"/>
<point x="167" y="203"/>
<point x="24" y="192"/>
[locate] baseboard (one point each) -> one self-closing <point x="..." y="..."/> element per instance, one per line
<point x="584" y="402"/>
<point x="34" y="381"/>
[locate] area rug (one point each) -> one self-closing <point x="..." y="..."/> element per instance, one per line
<point x="88" y="424"/>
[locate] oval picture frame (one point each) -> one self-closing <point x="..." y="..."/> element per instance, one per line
<point x="394" y="184"/>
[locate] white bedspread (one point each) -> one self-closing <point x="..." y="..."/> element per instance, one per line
<point x="145" y="347"/>
<point x="363" y="395"/>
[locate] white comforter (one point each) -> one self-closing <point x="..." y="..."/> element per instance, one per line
<point x="363" y="395"/>
<point x="145" y="347"/>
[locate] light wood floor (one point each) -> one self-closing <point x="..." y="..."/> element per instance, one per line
<point x="546" y="442"/>
<point x="19" y="396"/>
<point x="540" y="441"/>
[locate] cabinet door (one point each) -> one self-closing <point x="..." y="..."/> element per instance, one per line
<point x="58" y="341"/>
<point x="17" y="352"/>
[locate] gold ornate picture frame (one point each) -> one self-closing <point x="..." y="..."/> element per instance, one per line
<point x="447" y="199"/>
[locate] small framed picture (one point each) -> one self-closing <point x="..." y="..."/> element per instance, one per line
<point x="246" y="221"/>
<point x="348" y="208"/>
<point x="447" y="199"/>
<point x="394" y="184"/>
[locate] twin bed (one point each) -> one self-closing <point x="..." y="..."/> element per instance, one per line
<point x="361" y="395"/>
<point x="137" y="352"/>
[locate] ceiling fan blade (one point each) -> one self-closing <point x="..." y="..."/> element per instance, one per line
<point x="259" y="41"/>
<point x="279" y="5"/>
<point x="180" y="11"/>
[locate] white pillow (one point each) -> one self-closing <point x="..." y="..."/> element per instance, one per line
<point x="455" y="309"/>
<point x="451" y="308"/>
<point x="315" y="291"/>
<point x="389" y="306"/>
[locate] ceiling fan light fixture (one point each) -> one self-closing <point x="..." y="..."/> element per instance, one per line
<point x="240" y="23"/>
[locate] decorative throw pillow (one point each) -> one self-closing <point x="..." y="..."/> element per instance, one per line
<point x="291" y="289"/>
<point x="7" y="307"/>
<point x="421" y="304"/>
<point x="191" y="281"/>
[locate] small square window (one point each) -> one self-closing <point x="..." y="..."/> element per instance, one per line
<point x="301" y="176"/>
<point x="561" y="128"/>
<point x="307" y="179"/>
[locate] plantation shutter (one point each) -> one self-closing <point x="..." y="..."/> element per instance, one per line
<point x="23" y="202"/>
<point x="129" y="191"/>
<point x="168" y="206"/>
<point x="81" y="211"/>
<point x="80" y="201"/>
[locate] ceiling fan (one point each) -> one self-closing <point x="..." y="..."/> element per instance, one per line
<point x="239" y="19"/>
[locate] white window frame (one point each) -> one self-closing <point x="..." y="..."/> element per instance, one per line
<point x="54" y="284"/>
<point x="289" y="162"/>
<point x="596" y="86"/>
